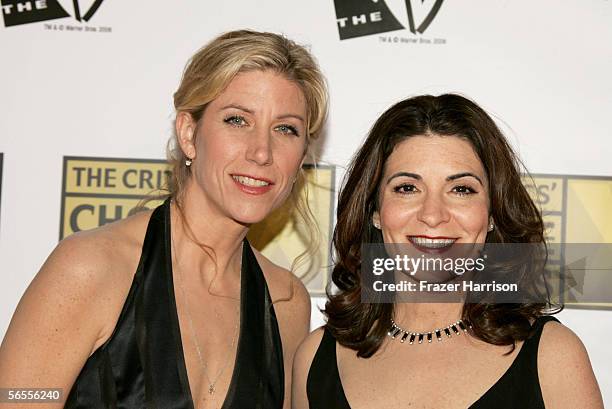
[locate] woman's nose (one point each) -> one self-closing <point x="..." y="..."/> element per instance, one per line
<point x="259" y="148"/>
<point x="433" y="211"/>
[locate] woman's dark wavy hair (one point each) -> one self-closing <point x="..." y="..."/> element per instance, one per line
<point x="363" y="326"/>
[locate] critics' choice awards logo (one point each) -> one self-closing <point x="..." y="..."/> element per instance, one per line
<point x="97" y="191"/>
<point x="356" y="18"/>
<point x="17" y="12"/>
<point x="575" y="209"/>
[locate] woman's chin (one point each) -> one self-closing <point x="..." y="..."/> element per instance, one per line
<point x="250" y="218"/>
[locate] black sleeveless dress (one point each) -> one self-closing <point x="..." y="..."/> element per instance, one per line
<point x="519" y="387"/>
<point x="142" y="364"/>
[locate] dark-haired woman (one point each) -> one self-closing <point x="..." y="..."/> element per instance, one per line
<point x="436" y="172"/>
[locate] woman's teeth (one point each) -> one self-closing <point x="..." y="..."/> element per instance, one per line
<point x="432" y="243"/>
<point x="247" y="181"/>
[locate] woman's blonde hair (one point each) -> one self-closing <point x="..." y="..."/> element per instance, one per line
<point x="216" y="64"/>
<point x="210" y="71"/>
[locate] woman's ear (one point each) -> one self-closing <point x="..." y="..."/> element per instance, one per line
<point x="185" y="132"/>
<point x="376" y="220"/>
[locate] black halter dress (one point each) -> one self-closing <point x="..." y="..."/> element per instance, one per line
<point x="142" y="364"/>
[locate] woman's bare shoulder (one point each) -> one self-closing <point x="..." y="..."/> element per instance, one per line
<point x="114" y="242"/>
<point x="92" y="270"/>
<point x="284" y="286"/>
<point x="291" y="304"/>
<point x="562" y="353"/>
<point x="306" y="352"/>
<point x="95" y="264"/>
<point x="310" y="345"/>
<point x="71" y="306"/>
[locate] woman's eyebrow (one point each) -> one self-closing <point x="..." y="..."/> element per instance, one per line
<point x="250" y="111"/>
<point x="400" y="174"/>
<point x="237" y="106"/>
<point x="296" y="116"/>
<point x="448" y="178"/>
<point x="463" y="174"/>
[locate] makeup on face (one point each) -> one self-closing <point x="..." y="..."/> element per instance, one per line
<point x="250" y="145"/>
<point x="434" y="194"/>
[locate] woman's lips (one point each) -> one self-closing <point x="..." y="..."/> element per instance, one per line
<point x="432" y="245"/>
<point x="252" y="185"/>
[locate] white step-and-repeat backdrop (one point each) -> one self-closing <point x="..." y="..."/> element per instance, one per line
<point x="86" y="110"/>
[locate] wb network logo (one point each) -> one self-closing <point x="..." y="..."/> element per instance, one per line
<point x="357" y="18"/>
<point x="17" y="12"/>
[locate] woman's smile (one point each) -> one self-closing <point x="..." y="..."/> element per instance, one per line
<point x="252" y="185"/>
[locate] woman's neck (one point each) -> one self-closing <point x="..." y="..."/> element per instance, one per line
<point x="204" y="240"/>
<point x="421" y="317"/>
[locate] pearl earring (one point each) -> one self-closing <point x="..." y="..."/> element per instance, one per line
<point x="491" y="226"/>
<point x="188" y="162"/>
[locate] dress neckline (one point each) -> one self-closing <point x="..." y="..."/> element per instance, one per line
<point x="472" y="405"/>
<point x="182" y="366"/>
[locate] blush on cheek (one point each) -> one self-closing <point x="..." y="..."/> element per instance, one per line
<point x="395" y="219"/>
<point x="475" y="226"/>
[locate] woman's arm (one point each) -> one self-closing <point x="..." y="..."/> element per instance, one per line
<point x="60" y="319"/>
<point x="565" y="372"/>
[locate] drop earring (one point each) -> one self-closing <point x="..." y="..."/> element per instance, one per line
<point x="188" y="162"/>
<point x="491" y="226"/>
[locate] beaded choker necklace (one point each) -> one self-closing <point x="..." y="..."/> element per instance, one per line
<point x="411" y="336"/>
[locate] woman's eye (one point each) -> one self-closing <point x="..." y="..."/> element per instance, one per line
<point x="287" y="129"/>
<point x="463" y="190"/>
<point x="405" y="189"/>
<point x="236" y="120"/>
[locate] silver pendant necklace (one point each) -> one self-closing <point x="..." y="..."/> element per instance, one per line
<point x="211" y="382"/>
<point x="412" y="337"/>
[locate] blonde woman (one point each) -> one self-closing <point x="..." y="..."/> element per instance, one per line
<point x="172" y="308"/>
